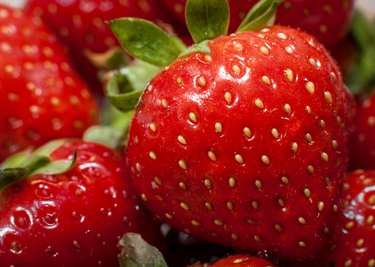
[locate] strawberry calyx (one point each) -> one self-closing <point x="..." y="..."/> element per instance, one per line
<point x="136" y="252"/>
<point x="27" y="163"/>
<point x="206" y="20"/>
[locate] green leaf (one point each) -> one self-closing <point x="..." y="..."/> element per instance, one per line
<point x="146" y="41"/>
<point x="56" y="167"/>
<point x="123" y="101"/>
<point x="10" y="176"/>
<point x="207" y="19"/>
<point x="262" y="14"/>
<point x="16" y="159"/>
<point x="126" y="86"/>
<point x="135" y="252"/>
<point x="49" y="147"/>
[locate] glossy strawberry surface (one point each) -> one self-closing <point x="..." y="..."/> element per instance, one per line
<point x="71" y="219"/>
<point x="242" y="260"/>
<point x="327" y="20"/>
<point x="354" y="244"/>
<point x="246" y="146"/>
<point x="42" y="98"/>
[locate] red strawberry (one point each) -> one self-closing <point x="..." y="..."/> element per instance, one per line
<point x="69" y="219"/>
<point x="328" y="20"/>
<point x="81" y="25"/>
<point x="242" y="260"/>
<point x="246" y="146"/>
<point x="362" y="146"/>
<point x="354" y="244"/>
<point x="42" y="98"/>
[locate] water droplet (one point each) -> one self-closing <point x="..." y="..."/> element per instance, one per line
<point x="44" y="191"/>
<point x="15" y="247"/>
<point x="48" y="216"/>
<point x="22" y="219"/>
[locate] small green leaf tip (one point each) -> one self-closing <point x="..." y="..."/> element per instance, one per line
<point x="207" y="19"/>
<point x="144" y="40"/>
<point x="28" y="162"/>
<point x="135" y="252"/>
<point x="262" y="14"/>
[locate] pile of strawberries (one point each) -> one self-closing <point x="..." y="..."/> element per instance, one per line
<point x="241" y="141"/>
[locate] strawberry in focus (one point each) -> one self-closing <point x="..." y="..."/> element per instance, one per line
<point x="74" y="218"/>
<point x="42" y="98"/>
<point x="354" y="243"/>
<point x="246" y="146"/>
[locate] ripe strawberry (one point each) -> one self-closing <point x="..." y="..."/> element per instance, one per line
<point x="327" y="20"/>
<point x="246" y="146"/>
<point x="74" y="218"/>
<point x="242" y="260"/>
<point x="42" y="98"/>
<point x="82" y="26"/>
<point x="362" y="145"/>
<point x="354" y="244"/>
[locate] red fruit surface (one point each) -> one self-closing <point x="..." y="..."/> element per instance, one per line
<point x="71" y="219"/>
<point x="42" y="98"/>
<point x="327" y="20"/>
<point x="354" y="244"/>
<point x="246" y="147"/>
<point x="242" y="260"/>
<point x="362" y="145"/>
<point x="82" y="27"/>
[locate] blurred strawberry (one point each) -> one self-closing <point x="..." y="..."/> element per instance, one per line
<point x="81" y="26"/>
<point x="362" y="145"/>
<point x="41" y="97"/>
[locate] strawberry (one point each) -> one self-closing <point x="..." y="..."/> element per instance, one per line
<point x="42" y="98"/>
<point x="82" y="26"/>
<point x="327" y="20"/>
<point x="241" y="141"/>
<point x="362" y="145"/>
<point x="242" y="260"/>
<point x="354" y="244"/>
<point x="69" y="218"/>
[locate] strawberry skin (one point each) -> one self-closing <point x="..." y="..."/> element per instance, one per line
<point x="246" y="146"/>
<point x="362" y="143"/>
<point x="242" y="260"/>
<point x="42" y="98"/>
<point x="72" y="219"/>
<point x="354" y="244"/>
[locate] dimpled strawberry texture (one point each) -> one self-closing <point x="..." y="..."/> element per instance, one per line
<point x="246" y="147"/>
<point x="42" y="98"/>
<point x="327" y="20"/>
<point x="72" y="219"/>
